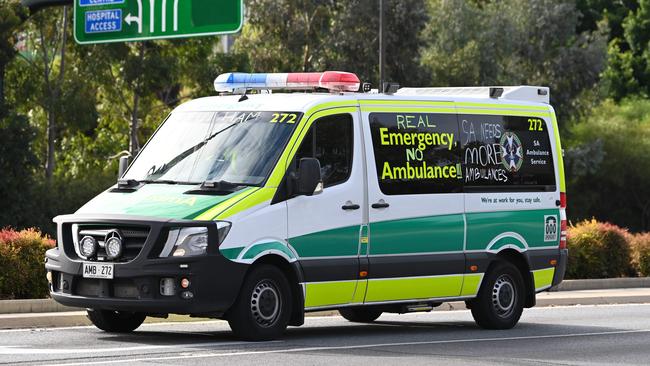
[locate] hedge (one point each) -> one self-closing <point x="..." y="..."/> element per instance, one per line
<point x="598" y="250"/>
<point x="640" y="244"/>
<point x="22" y="270"/>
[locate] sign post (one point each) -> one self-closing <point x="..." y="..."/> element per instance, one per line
<point x="103" y="21"/>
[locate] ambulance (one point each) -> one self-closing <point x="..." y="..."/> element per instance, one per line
<point x="294" y="193"/>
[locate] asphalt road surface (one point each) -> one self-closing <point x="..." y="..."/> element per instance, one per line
<point x="578" y="335"/>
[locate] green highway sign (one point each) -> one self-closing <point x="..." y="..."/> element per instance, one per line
<point x="102" y="21"/>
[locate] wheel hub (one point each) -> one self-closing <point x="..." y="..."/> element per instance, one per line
<point x="265" y="303"/>
<point x="503" y="296"/>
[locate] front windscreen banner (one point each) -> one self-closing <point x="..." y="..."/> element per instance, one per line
<point x="239" y="147"/>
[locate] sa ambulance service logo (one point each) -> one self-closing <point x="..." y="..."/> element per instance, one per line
<point x="512" y="153"/>
<point x="550" y="228"/>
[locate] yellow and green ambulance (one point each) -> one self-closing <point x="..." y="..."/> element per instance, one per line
<point x="257" y="206"/>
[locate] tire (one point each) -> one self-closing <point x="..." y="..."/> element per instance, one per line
<point x="500" y="300"/>
<point x="116" y="321"/>
<point x="263" y="308"/>
<point x="360" y="315"/>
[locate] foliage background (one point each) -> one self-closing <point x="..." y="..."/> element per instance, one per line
<point x="68" y="111"/>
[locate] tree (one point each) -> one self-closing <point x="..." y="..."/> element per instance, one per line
<point x="304" y="35"/>
<point x="613" y="13"/>
<point x="12" y="16"/>
<point x="607" y="165"/>
<point x="628" y="71"/>
<point x="58" y="101"/>
<point x="286" y="35"/>
<point x="51" y="46"/>
<point x="17" y="162"/>
<point x="513" y="42"/>
<point x="354" y="40"/>
<point x="135" y="82"/>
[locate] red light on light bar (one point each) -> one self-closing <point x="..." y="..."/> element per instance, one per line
<point x="345" y="81"/>
<point x="305" y="79"/>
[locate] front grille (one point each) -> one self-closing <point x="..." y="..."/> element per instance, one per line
<point x="133" y="240"/>
<point x="121" y="289"/>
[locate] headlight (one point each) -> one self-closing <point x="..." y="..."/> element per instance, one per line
<point x="88" y="246"/>
<point x="113" y="247"/>
<point x="191" y="241"/>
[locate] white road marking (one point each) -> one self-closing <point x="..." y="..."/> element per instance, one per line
<point x="361" y="346"/>
<point x="26" y="350"/>
<point x="146" y="325"/>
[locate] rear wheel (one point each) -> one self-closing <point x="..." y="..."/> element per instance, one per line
<point x="360" y="315"/>
<point x="500" y="301"/>
<point x="263" y="308"/>
<point x="116" y="321"/>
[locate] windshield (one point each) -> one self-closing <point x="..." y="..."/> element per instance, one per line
<point x="235" y="147"/>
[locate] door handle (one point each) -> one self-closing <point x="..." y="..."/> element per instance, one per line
<point x="350" y="206"/>
<point x="380" y="204"/>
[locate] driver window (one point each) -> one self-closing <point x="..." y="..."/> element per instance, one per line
<point x="330" y="140"/>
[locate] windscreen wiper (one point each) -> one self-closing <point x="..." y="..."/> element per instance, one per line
<point x="132" y="185"/>
<point x="159" y="181"/>
<point x="223" y="185"/>
<point x="219" y="187"/>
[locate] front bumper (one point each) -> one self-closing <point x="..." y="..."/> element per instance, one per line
<point x="214" y="280"/>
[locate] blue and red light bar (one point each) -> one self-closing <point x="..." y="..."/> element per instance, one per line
<point x="336" y="81"/>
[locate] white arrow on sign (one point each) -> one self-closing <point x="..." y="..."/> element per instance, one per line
<point x="152" y="14"/>
<point x="130" y="18"/>
<point x="175" y="15"/>
<point x="164" y="15"/>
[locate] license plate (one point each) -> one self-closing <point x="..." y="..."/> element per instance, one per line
<point x="98" y="270"/>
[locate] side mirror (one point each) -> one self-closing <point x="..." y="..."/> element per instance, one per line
<point x="309" y="181"/>
<point x="124" y="164"/>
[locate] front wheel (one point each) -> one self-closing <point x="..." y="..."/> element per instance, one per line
<point x="263" y="307"/>
<point x="500" y="300"/>
<point x="115" y="321"/>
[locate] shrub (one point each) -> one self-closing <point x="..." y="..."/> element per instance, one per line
<point x="640" y="244"/>
<point x="22" y="272"/>
<point x="598" y="250"/>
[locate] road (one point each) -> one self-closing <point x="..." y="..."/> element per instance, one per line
<point x="573" y="335"/>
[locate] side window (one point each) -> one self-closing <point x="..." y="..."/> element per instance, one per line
<point x="330" y="140"/>
<point x="506" y="153"/>
<point x="416" y="153"/>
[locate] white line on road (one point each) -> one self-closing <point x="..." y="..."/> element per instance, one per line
<point x="143" y="326"/>
<point x="24" y="350"/>
<point x="361" y="346"/>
